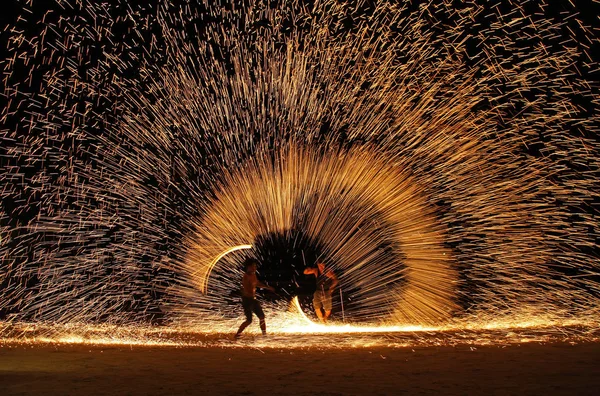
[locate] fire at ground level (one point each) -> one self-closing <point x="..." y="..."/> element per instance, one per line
<point x="292" y="329"/>
<point x="326" y="337"/>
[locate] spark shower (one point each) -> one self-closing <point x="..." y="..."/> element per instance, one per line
<point x="442" y="157"/>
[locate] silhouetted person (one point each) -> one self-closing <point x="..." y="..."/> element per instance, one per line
<point x="249" y="302"/>
<point x="326" y="283"/>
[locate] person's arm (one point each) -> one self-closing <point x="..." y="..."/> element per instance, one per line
<point x="310" y="271"/>
<point x="264" y="286"/>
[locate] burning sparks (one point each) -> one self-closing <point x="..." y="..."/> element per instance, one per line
<point x="350" y="202"/>
<point x="207" y="269"/>
<point x="442" y="160"/>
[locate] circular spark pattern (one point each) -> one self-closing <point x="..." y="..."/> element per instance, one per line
<point x="140" y="142"/>
<point x="349" y="202"/>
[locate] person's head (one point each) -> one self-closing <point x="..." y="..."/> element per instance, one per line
<point x="321" y="265"/>
<point x="250" y="265"/>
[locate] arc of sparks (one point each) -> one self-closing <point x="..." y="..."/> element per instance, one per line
<point x="204" y="283"/>
<point x="296" y="305"/>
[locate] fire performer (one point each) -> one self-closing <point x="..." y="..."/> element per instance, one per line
<point x="251" y="305"/>
<point x="326" y="284"/>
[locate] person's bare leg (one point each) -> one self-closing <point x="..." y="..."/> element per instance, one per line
<point x="319" y="314"/>
<point x="263" y="326"/>
<point x="242" y="327"/>
<point x="327" y="314"/>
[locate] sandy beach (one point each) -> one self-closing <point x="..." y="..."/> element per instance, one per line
<point x="527" y="369"/>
